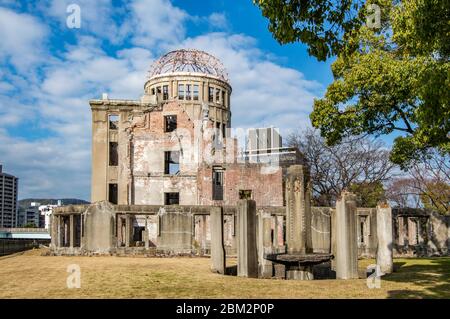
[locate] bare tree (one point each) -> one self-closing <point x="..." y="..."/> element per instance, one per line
<point x="403" y="193"/>
<point x="336" y="168"/>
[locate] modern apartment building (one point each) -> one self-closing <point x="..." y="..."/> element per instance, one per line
<point x="8" y="199"/>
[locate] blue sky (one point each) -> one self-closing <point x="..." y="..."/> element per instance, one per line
<point x="48" y="72"/>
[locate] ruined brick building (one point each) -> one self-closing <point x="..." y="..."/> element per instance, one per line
<point x="165" y="161"/>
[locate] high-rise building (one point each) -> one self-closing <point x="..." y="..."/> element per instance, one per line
<point x="8" y="199"/>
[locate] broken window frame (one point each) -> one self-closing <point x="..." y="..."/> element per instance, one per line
<point x="113" y="120"/>
<point x="165" y="92"/>
<point x="172" y="198"/>
<point x="113" y="154"/>
<point x="188" y="92"/>
<point x="170" y="123"/>
<point x="217" y="183"/>
<point x="210" y="94"/>
<point x="217" y="96"/>
<point x="171" y="162"/>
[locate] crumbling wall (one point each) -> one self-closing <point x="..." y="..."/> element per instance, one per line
<point x="266" y="189"/>
<point x="150" y="143"/>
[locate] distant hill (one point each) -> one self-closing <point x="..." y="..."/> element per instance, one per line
<point x="25" y="203"/>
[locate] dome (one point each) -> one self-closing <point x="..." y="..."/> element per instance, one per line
<point x="188" y="61"/>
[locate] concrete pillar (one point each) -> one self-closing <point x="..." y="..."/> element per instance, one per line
<point x="247" y="251"/>
<point x="264" y="244"/>
<point x="384" y="236"/>
<point x="298" y="211"/>
<point x="100" y="144"/>
<point x="71" y="231"/>
<point x="346" y="237"/>
<point x="333" y="238"/>
<point x="218" y="263"/>
<point x="127" y="230"/>
<point x="57" y="231"/>
<point x="146" y="233"/>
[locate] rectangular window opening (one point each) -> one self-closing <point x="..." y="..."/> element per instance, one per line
<point x="362" y="232"/>
<point x="217" y="183"/>
<point x="171" y="198"/>
<point x="113" y="154"/>
<point x="165" y="92"/>
<point x="170" y="123"/>
<point x="112" y="194"/>
<point x="181" y="91"/>
<point x="195" y="92"/>
<point x="113" y="121"/>
<point x="171" y="162"/>
<point x="217" y="95"/>
<point x="210" y="94"/>
<point x="188" y="91"/>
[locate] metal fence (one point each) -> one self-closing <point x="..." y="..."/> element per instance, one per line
<point x="11" y="246"/>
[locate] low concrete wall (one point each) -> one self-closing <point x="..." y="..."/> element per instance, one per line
<point x="186" y="230"/>
<point x="11" y="246"/>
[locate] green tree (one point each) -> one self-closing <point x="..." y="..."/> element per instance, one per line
<point x="394" y="78"/>
<point x="368" y="194"/>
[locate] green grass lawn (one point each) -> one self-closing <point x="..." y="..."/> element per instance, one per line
<point x="31" y="275"/>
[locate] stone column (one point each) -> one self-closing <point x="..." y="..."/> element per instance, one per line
<point x="218" y="263"/>
<point x="127" y="230"/>
<point x="71" y="231"/>
<point x="247" y="251"/>
<point x="333" y="238"/>
<point x="58" y="231"/>
<point x="145" y="234"/>
<point x="384" y="236"/>
<point x="264" y="244"/>
<point x="298" y="211"/>
<point x="54" y="231"/>
<point x="346" y="237"/>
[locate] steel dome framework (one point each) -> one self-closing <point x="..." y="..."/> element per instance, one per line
<point x="191" y="61"/>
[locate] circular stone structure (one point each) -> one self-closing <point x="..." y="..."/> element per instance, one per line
<point x="299" y="266"/>
<point x="195" y="80"/>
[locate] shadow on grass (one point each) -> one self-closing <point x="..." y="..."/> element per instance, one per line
<point x="430" y="274"/>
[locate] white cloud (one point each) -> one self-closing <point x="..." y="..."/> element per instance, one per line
<point x="98" y="17"/>
<point x="157" y="20"/>
<point x="218" y="20"/>
<point x="22" y="37"/>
